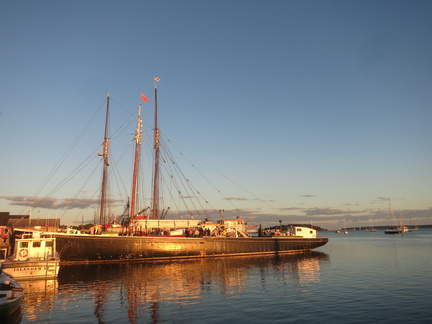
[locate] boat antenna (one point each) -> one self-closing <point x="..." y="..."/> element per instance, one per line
<point x="156" y="156"/>
<point x="104" y="155"/>
<point x="137" y="138"/>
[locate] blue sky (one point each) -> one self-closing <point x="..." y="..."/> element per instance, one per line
<point x="319" y="110"/>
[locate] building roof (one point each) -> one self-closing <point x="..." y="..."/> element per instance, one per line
<point x="34" y="222"/>
<point x="5" y="217"/>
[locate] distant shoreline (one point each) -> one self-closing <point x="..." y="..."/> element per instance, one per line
<point x="376" y="227"/>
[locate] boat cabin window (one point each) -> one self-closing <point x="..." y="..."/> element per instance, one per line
<point x="299" y="229"/>
<point x="49" y="243"/>
<point x="24" y="244"/>
<point x="37" y="244"/>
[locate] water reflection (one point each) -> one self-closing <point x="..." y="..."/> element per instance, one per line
<point x="39" y="297"/>
<point x="13" y="318"/>
<point x="141" y="291"/>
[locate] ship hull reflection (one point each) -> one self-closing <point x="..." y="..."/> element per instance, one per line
<point x="141" y="290"/>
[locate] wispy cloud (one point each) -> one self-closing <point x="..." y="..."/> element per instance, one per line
<point x="187" y="197"/>
<point x="383" y="198"/>
<point x="235" y="198"/>
<point x="289" y="208"/>
<point x="326" y="211"/>
<point x="52" y="203"/>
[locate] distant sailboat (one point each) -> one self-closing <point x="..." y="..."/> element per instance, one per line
<point x="393" y="229"/>
<point x="345" y="228"/>
<point x="372" y="228"/>
<point x="401" y="225"/>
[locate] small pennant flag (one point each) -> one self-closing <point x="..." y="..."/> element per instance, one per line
<point x="156" y="79"/>
<point x="144" y="98"/>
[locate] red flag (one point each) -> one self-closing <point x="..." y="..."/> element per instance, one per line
<point x="144" y="98"/>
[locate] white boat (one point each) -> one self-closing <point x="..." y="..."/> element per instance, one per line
<point x="33" y="258"/>
<point x="372" y="228"/>
<point x="11" y="294"/>
<point x="345" y="228"/>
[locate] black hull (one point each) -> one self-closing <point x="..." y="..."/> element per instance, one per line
<point x="99" y="248"/>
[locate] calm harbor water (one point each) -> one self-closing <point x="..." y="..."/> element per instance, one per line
<point x="361" y="277"/>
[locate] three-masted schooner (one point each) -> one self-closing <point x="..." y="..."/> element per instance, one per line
<point x="152" y="237"/>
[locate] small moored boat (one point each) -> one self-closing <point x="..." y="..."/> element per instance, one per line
<point x="392" y="230"/>
<point x="11" y="294"/>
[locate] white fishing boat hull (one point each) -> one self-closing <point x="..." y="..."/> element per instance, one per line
<point x="32" y="269"/>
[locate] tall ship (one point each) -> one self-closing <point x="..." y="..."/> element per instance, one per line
<point x="146" y="234"/>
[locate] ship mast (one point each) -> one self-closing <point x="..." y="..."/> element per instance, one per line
<point x="156" y="161"/>
<point x="137" y="138"/>
<point x="104" y="155"/>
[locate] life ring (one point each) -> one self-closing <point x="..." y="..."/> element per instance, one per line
<point x="23" y="253"/>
